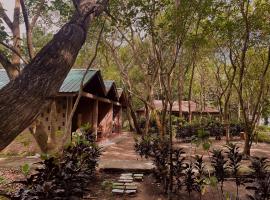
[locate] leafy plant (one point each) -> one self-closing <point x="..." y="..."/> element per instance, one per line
<point x="202" y="138"/>
<point x="218" y="161"/>
<point x="190" y="179"/>
<point x="234" y="164"/>
<point x="178" y="167"/>
<point x="65" y="177"/>
<point x="260" y="179"/>
<point x="200" y="179"/>
<point x="25" y="169"/>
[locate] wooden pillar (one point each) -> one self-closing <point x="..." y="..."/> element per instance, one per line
<point x="120" y="122"/>
<point x="68" y="112"/>
<point x="110" y="120"/>
<point x="95" y="118"/>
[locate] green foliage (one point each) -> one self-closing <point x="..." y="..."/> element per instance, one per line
<point x="202" y="138"/>
<point x="64" y="176"/>
<point x="107" y="185"/>
<point x="2" y="180"/>
<point x="3" y="33"/>
<point x="25" y="169"/>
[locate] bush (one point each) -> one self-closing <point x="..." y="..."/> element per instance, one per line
<point x="65" y="177"/>
<point x="215" y="129"/>
<point x="263" y="137"/>
<point x="190" y="175"/>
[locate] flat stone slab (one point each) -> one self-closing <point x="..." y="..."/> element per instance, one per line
<point x="118" y="184"/>
<point x="127" y="174"/>
<point x="126" y="178"/>
<point x="138" y="175"/>
<point x="131" y="187"/>
<point x="120" y="187"/>
<point x="117" y="191"/>
<point x="138" y="178"/>
<point x="130" y="191"/>
<point x="130" y="184"/>
<point x="125" y="181"/>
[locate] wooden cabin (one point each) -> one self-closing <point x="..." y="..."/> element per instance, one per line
<point x="196" y="109"/>
<point x="101" y="105"/>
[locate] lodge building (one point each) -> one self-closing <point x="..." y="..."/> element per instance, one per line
<point x="195" y="109"/>
<point x="101" y="105"/>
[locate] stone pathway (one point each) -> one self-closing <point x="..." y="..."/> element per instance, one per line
<point x="119" y="156"/>
<point x="126" y="184"/>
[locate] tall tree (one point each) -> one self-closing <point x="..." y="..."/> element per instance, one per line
<point x="42" y="77"/>
<point x="12" y="67"/>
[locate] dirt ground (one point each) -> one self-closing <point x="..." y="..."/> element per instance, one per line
<point x="123" y="149"/>
<point x="150" y="190"/>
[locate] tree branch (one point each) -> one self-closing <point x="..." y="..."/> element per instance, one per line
<point x="4" y="16"/>
<point x="81" y="86"/>
<point x="36" y="16"/>
<point x="28" y="30"/>
<point x="14" y="51"/>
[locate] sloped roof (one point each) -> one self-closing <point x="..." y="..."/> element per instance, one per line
<point x="3" y="78"/>
<point x="73" y="80"/>
<point x="120" y="92"/>
<point x="71" y="83"/>
<point x="111" y="87"/>
<point x="122" y="96"/>
<point x="194" y="107"/>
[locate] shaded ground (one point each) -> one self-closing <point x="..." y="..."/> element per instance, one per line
<point x="260" y="149"/>
<point x="150" y="190"/>
<point x="119" y="154"/>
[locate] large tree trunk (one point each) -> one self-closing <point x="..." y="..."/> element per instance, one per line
<point x="22" y="100"/>
<point x="248" y="142"/>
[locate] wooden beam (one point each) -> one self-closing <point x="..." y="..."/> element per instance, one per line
<point x="91" y="96"/>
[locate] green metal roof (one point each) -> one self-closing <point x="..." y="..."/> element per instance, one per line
<point x="108" y="85"/>
<point x="73" y="80"/>
<point x="3" y="78"/>
<point x="71" y="83"/>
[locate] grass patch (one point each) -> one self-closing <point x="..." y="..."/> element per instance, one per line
<point x="264" y="137"/>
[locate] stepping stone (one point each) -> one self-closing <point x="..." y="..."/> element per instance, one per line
<point x="120" y="187"/>
<point x="118" y="184"/>
<point x="130" y="191"/>
<point x="117" y="191"/>
<point x="131" y="187"/>
<point x="125" y="181"/>
<point x="127" y="177"/>
<point x="130" y="184"/>
<point x="138" y="175"/>
<point x="126" y="174"/>
<point x="138" y="178"/>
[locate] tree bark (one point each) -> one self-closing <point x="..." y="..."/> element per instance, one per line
<point x="23" y="99"/>
<point x="190" y="93"/>
<point x="12" y="71"/>
<point x="16" y="35"/>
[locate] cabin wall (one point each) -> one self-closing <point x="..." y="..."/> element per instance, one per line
<point x="105" y="119"/>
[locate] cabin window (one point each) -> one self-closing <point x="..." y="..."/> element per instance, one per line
<point x="49" y="128"/>
<point x="47" y="119"/>
<point x="59" y="128"/>
<point x="64" y="115"/>
<point x="63" y="123"/>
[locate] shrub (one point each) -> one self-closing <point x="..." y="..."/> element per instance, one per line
<point x="215" y="129"/>
<point x="263" y="137"/>
<point x="260" y="179"/>
<point x="64" y="177"/>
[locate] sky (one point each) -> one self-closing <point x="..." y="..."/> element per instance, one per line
<point x="9" y="7"/>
